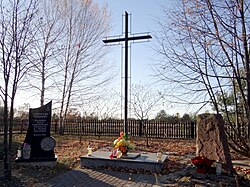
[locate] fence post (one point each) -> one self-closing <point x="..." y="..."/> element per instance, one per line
<point x="192" y="129"/>
<point x="55" y="126"/>
<point x="22" y="126"/>
<point x="95" y="121"/>
<point x="140" y="128"/>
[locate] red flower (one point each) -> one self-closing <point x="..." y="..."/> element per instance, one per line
<point x="111" y="156"/>
<point x="202" y="161"/>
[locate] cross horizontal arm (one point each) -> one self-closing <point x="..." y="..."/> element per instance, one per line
<point x="129" y="38"/>
<point x="113" y="40"/>
<point x="140" y="37"/>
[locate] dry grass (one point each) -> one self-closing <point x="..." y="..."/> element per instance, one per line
<point x="69" y="148"/>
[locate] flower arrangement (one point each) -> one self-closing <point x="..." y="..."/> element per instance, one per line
<point x="121" y="144"/>
<point x="202" y="164"/>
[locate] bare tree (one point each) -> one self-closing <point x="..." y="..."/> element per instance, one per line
<point x="143" y="102"/>
<point x="15" y="39"/>
<point x="206" y="56"/>
<point x="48" y="33"/>
<point x="82" y="56"/>
<point x="105" y="106"/>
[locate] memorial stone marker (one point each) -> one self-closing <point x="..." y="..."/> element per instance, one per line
<point x="38" y="142"/>
<point x="211" y="139"/>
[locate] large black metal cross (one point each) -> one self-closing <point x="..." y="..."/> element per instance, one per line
<point x="126" y="39"/>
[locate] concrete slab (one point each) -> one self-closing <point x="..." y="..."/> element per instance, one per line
<point x="131" y="156"/>
<point x="48" y="164"/>
<point x="146" y="161"/>
<point x="51" y="162"/>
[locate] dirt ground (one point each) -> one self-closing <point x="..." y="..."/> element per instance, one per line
<point x="69" y="148"/>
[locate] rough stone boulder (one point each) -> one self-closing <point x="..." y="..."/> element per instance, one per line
<point x="211" y="139"/>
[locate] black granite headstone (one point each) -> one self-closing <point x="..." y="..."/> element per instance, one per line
<point x="39" y="128"/>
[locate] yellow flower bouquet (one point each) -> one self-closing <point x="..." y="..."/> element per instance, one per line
<point x="122" y="145"/>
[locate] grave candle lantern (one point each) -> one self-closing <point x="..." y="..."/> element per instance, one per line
<point x="89" y="151"/>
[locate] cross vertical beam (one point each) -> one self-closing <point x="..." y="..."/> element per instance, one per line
<point x="126" y="39"/>
<point x="126" y="78"/>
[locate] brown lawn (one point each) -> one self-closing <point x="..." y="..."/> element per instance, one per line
<point x="69" y="148"/>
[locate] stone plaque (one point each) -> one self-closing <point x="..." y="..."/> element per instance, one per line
<point x="38" y="133"/>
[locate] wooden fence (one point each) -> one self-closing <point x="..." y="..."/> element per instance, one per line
<point x="154" y="129"/>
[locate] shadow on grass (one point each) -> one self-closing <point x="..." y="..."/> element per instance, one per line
<point x="27" y="175"/>
<point x="15" y="146"/>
